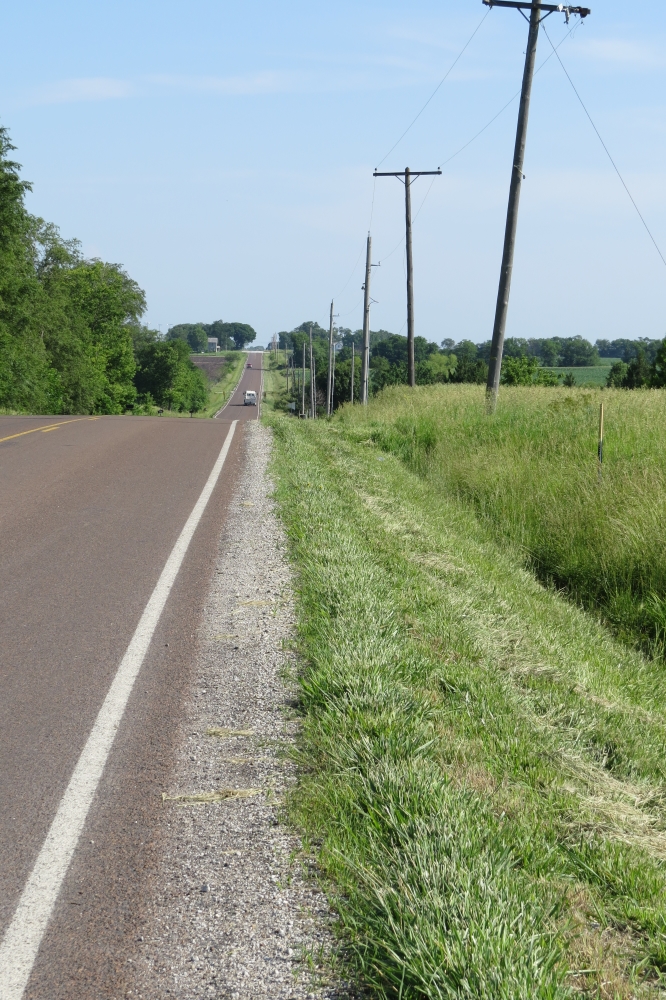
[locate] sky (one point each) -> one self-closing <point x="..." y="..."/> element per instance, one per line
<point x="223" y="153"/>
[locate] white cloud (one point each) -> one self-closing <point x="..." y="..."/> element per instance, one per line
<point x="85" y="89"/>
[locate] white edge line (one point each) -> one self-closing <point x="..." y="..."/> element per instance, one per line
<point x="23" y="937"/>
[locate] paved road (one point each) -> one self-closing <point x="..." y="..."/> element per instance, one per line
<point x="90" y="509"/>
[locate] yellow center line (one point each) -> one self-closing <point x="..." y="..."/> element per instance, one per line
<point x="46" y="427"/>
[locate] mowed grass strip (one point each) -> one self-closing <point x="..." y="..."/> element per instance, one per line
<point x="482" y="764"/>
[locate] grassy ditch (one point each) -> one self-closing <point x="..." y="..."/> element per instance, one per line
<point x="482" y="764"/>
<point x="530" y="472"/>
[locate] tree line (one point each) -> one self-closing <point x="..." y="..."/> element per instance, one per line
<point x="229" y="336"/>
<point x="71" y="337"/>
<point x="525" y="362"/>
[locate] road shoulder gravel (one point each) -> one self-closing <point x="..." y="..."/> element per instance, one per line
<point x="232" y="913"/>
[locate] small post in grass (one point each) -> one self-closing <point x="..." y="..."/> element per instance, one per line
<point x="600" y="449"/>
<point x="352" y="375"/>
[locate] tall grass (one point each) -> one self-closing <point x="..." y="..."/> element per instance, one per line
<point x="530" y="472"/>
<point x="482" y="765"/>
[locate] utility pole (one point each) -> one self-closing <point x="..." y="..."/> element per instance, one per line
<point x="329" y="386"/>
<point x="517" y="177"/>
<point x="365" y="360"/>
<point x="352" y="374"/>
<point x="303" y="384"/>
<point x="407" y="174"/>
<point x="312" y="402"/>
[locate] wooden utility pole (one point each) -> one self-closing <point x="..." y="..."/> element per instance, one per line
<point x="329" y="385"/>
<point x="352" y="374"/>
<point x="405" y="176"/>
<point x="303" y="384"/>
<point x="517" y="177"/>
<point x="312" y="401"/>
<point x="365" y="359"/>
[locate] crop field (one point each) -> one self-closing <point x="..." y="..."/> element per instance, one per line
<point x="595" y="375"/>
<point x="482" y="759"/>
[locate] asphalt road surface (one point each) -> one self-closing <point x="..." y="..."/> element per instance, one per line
<point x="90" y="511"/>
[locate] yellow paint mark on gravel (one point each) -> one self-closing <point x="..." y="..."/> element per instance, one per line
<point x="219" y="795"/>
<point x="226" y="734"/>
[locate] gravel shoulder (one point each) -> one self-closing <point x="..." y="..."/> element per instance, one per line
<point x="231" y="913"/>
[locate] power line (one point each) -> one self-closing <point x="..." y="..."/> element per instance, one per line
<point x="476" y="136"/>
<point x="606" y="150"/>
<point x="444" y="78"/>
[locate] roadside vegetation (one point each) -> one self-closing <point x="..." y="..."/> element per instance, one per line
<point x="71" y="336"/>
<point x="531" y="475"/>
<point x="224" y="381"/>
<point x="482" y="760"/>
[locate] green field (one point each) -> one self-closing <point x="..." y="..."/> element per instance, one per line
<point x="591" y="376"/>
<point x="482" y="762"/>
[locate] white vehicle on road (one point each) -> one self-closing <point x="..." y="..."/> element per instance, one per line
<point x="250" y="397"/>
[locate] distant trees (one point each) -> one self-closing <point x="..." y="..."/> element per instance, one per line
<point x="626" y="349"/>
<point x="638" y="373"/>
<point x="193" y="334"/>
<point x="197" y="334"/>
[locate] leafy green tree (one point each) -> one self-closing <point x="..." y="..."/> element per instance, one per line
<point x="549" y="352"/>
<point x="526" y="371"/>
<point x="24" y="363"/>
<point x="471" y="366"/>
<point x="241" y="334"/>
<point x="617" y="375"/>
<point x="658" y="373"/>
<point x="638" y="372"/>
<point x="577" y="352"/>
<point x="166" y="376"/>
<point x="193" y="334"/>
<point x="438" y="367"/>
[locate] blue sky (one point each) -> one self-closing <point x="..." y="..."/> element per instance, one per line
<point x="223" y="153"/>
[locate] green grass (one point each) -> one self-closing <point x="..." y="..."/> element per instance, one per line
<point x="481" y="762"/>
<point x="276" y="397"/>
<point x="530" y="473"/>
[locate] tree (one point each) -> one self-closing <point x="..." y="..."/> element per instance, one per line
<point x="616" y="375"/>
<point x="638" y="372"/>
<point x="67" y="325"/>
<point x="526" y="371"/>
<point x="193" y="334"/>
<point x="438" y="367"/>
<point x="166" y="376"/>
<point x="658" y="373"/>
<point x="576" y="352"/>
<point x="241" y="334"/>
<point x="470" y="364"/>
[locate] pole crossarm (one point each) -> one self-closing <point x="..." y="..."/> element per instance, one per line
<point x="551" y="8"/>
<point x="413" y="173"/>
